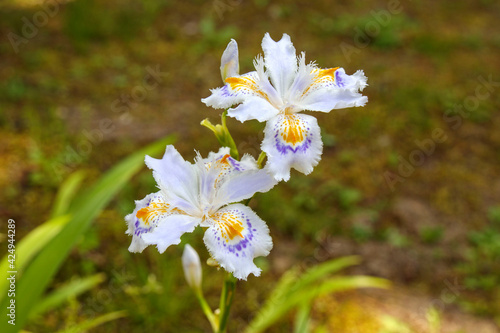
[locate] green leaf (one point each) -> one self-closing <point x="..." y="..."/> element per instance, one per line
<point x="332" y="285"/>
<point x="66" y="193"/>
<point x="32" y="243"/>
<point x="84" y="209"/>
<point x="91" y="323"/>
<point x="62" y="294"/>
<point x="336" y="284"/>
<point x="294" y="290"/>
<point x="322" y="270"/>
<point x="28" y="248"/>
<point x="302" y="318"/>
<point x="276" y="299"/>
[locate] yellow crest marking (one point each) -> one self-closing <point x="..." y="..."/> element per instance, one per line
<point x="153" y="210"/>
<point x="246" y="83"/>
<point x="321" y="75"/>
<point x="292" y="132"/>
<point x="223" y="160"/>
<point x="230" y="226"/>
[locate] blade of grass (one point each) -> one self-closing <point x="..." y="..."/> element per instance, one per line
<point x="91" y="323"/>
<point x="336" y="284"/>
<point x="66" y="193"/>
<point x="28" y="248"/>
<point x="84" y="209"/>
<point x="32" y="243"/>
<point x="302" y="318"/>
<point x="273" y="313"/>
<point x="277" y="297"/>
<point x="322" y="270"/>
<point x="71" y="289"/>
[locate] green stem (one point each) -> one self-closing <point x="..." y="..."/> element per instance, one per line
<point x="229" y="139"/>
<point x="207" y="310"/>
<point x="226" y="300"/>
<point x="223" y="119"/>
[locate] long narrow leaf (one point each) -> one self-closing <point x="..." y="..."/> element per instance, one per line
<point x="91" y="323"/>
<point x="66" y="193"/>
<point x="302" y="318"/>
<point x="28" y="248"/>
<point x="322" y="270"/>
<point x="83" y="210"/>
<point x="276" y="299"/>
<point x="32" y="243"/>
<point x="290" y="282"/>
<point x="62" y="294"/>
<point x="337" y="284"/>
<point x="265" y="319"/>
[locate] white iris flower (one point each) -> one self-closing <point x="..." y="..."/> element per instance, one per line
<point x="204" y="194"/>
<point x="281" y="86"/>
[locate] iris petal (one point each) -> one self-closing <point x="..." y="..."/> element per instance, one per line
<point x="176" y="177"/>
<point x="236" y="237"/>
<point x="333" y="89"/>
<point x="147" y="215"/>
<point x="170" y="230"/>
<point x="281" y="61"/>
<point x="292" y="141"/>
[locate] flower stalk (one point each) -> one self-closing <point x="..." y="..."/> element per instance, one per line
<point x="212" y="318"/>
<point x="228" y="138"/>
<point x="226" y="300"/>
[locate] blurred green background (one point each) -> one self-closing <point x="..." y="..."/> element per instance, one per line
<point x="411" y="182"/>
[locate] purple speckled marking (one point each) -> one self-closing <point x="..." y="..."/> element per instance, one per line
<point x="284" y="148"/>
<point x="234" y="163"/>
<point x="338" y="79"/>
<point x="140" y="230"/>
<point x="239" y="248"/>
<point x="225" y="91"/>
<point x="243" y="243"/>
<point x="237" y="166"/>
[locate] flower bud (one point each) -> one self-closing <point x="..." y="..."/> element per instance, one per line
<point x="223" y="136"/>
<point x="192" y="267"/>
<point x="230" y="65"/>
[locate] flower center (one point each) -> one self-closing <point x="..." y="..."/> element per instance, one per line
<point x="287" y="108"/>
